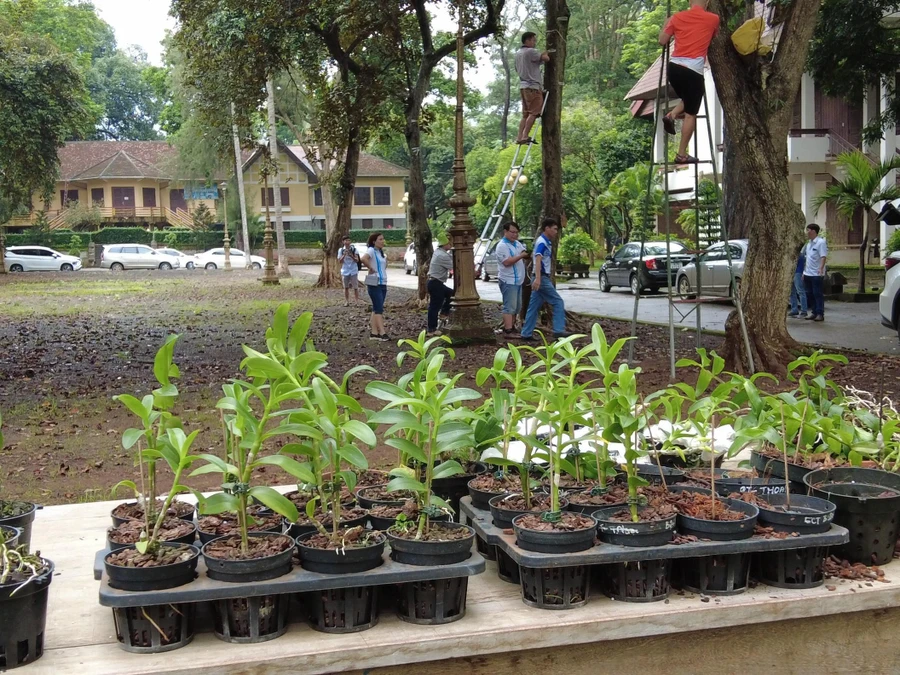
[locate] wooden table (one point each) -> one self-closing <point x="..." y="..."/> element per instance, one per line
<point x="849" y="629"/>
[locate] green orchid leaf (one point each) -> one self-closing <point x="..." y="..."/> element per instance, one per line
<point x="275" y="501"/>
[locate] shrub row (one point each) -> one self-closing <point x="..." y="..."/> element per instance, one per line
<point x="177" y="238"/>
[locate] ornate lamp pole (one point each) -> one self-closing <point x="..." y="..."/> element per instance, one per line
<point x="269" y="277"/>
<point x="226" y="242"/>
<point x="467" y="321"/>
<point x="404" y="204"/>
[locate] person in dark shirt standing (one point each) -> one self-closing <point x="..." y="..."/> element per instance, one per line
<point x="528" y="67"/>
<point x="440" y="295"/>
<point x="693" y="30"/>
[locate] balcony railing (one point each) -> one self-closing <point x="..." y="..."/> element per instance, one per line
<point x="149" y="214"/>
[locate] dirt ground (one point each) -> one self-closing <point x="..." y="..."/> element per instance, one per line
<point x="68" y="343"/>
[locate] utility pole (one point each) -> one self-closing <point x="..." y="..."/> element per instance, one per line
<point x="239" y="172"/>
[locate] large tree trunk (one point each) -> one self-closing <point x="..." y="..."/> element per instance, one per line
<point x="340" y="202"/>
<point x="736" y="222"/>
<point x="242" y="198"/>
<point x="283" y="270"/>
<point x="758" y="127"/>
<point x="421" y="233"/>
<point x="507" y="87"/>
<point x="551" y="136"/>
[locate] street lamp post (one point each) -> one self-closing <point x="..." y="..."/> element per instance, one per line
<point x="404" y="204"/>
<point x="226" y="242"/>
<point x="269" y="277"/>
<point x="467" y="322"/>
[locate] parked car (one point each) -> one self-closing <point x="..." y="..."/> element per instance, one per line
<point x="215" y="258"/>
<point x="639" y="269"/>
<point x="889" y="300"/>
<point x="409" y="258"/>
<point x="119" y="257"/>
<point x="187" y="261"/>
<point x="714" y="273"/>
<point x="39" y="259"/>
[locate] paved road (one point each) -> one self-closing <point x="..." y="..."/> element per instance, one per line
<point x="847" y="325"/>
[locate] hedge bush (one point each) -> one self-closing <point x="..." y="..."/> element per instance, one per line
<point x="178" y="238"/>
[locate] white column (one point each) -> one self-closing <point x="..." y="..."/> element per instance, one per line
<point x="889" y="145"/>
<point x="659" y="144"/>
<point x="807" y="194"/>
<point x="807" y="102"/>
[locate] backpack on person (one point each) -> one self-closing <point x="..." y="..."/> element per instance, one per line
<point x="357" y="258"/>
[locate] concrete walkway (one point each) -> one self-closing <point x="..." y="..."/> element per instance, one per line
<point x="847" y="325"/>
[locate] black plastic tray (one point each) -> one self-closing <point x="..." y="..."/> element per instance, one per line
<point x="604" y="553"/>
<point x="299" y="580"/>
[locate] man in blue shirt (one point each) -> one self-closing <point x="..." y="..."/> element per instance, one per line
<point x="543" y="290"/>
<point x="349" y="269"/>
<point x="814" y="272"/>
<point x="510" y="254"/>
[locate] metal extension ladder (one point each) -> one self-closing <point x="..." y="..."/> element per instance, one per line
<point x="504" y="199"/>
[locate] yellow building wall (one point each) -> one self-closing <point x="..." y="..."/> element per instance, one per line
<point x="290" y="176"/>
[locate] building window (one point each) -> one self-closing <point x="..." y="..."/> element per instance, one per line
<point x="382" y="196"/>
<point x="149" y="197"/>
<point x="389" y="223"/>
<point x="322" y="225"/>
<point x="362" y="196"/>
<point x="367" y="223"/>
<point x="97" y="197"/>
<point x="285" y="196"/>
<point x="317" y="197"/>
<point x="66" y="196"/>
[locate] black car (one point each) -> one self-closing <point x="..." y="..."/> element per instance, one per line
<point x="638" y="269"/>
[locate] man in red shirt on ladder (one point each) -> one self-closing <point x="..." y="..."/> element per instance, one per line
<point x="693" y="30"/>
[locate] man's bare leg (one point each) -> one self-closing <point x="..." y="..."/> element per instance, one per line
<point x="687" y="132"/>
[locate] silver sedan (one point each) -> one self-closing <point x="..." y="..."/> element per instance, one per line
<point x="714" y="274"/>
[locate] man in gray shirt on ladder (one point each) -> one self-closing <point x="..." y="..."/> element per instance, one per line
<point x="528" y="67"/>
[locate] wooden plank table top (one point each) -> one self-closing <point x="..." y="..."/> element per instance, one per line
<point x="80" y="636"/>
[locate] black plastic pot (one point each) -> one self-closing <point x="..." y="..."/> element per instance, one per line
<point x="873" y="521"/>
<point x="454" y="488"/>
<point x="727" y="574"/>
<point x="368" y="503"/>
<point x="422" y="553"/>
<point x="383" y="524"/>
<point x="186" y="539"/>
<point x="651" y="474"/>
<point x="345" y="561"/>
<point x="342" y="610"/>
<point x="118" y="521"/>
<point x="433" y="602"/>
<point x="796" y="568"/>
<point x="481" y="498"/>
<point x="555" y="587"/>
<point x="653" y="533"/>
<point x="487" y="551"/>
<point x="770" y="466"/>
<point x="156" y="628"/>
<point x="247" y="571"/>
<point x="764" y="487"/>
<point x="722" y="530"/>
<point x="206" y="537"/>
<point x="503" y="517"/>
<point x="638" y="581"/>
<point x="153" y="578"/>
<point x="10" y="535"/>
<point x="23" y="522"/>
<point x="251" y="620"/>
<point x="555" y="541"/>
<point x="295" y="530"/>
<point x="809" y="515"/>
<point x="507" y="569"/>
<point x="588" y="509"/>
<point x="23" y="617"/>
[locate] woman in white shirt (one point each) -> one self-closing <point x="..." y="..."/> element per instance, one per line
<point x="376" y="283"/>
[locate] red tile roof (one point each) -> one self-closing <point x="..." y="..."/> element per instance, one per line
<point x="77" y="157"/>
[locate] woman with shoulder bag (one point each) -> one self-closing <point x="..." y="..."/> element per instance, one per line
<point x="376" y="283"/>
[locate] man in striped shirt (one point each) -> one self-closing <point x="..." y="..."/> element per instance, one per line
<point x="510" y="253"/>
<point x="543" y="290"/>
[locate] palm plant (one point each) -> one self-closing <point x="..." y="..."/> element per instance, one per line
<point x="860" y="189"/>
